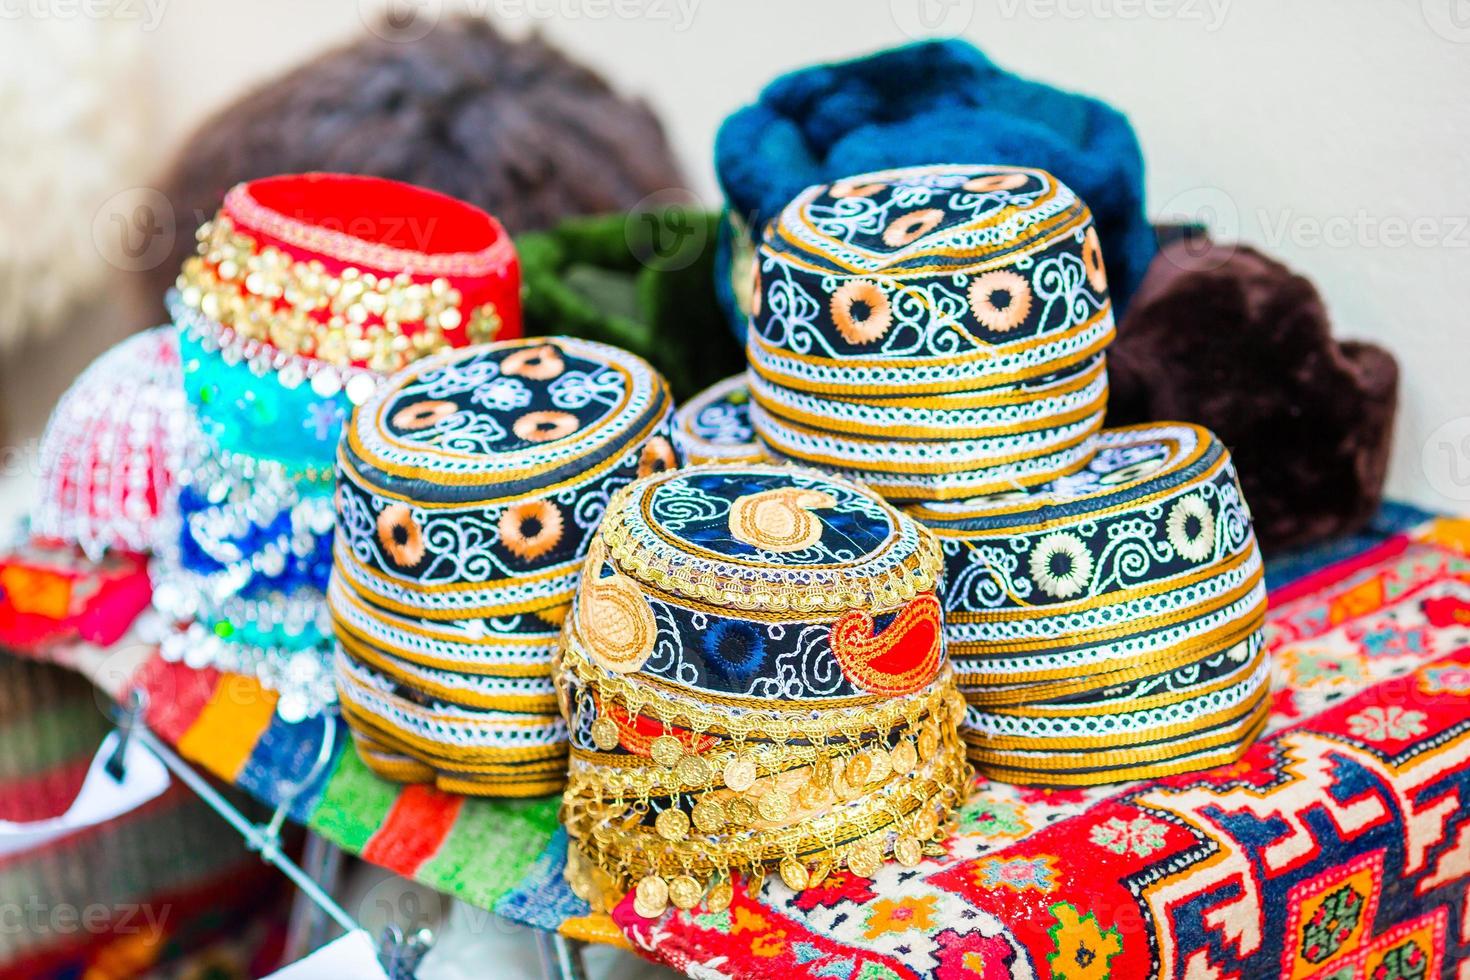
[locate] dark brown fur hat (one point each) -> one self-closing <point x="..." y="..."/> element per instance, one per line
<point x="515" y="127"/>
<point x="1225" y="337"/>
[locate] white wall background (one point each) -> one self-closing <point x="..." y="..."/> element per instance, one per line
<point x="1334" y="134"/>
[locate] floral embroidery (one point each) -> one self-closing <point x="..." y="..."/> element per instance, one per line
<point x="537" y="363"/>
<point x="1380" y="723"/>
<point x="531" y="529"/>
<point x="1082" y="950"/>
<point x="904" y="915"/>
<point x="1140" y="836"/>
<point x="910" y="227"/>
<point x="1192" y="527"/>
<point x="734" y="650"/>
<point x="861" y="312"/>
<point x="1000" y="299"/>
<point x="656" y="456"/>
<point x="501" y="395"/>
<point x="400" y="536"/>
<point x="989" y="183"/>
<point x="1018" y="874"/>
<point x="421" y="415"/>
<point x="1061" y="564"/>
<point x="544" y="426"/>
<point x="1092" y="260"/>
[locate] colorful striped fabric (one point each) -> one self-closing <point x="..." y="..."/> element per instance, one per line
<point x="501" y="855"/>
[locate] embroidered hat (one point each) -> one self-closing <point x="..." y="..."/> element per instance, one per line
<point x="754" y="677"/>
<point x="714" y="426"/>
<point x="308" y="286"/>
<point x="935" y="331"/>
<point x="469" y="488"/>
<point x="1107" y="626"/>
<point x="112" y="448"/>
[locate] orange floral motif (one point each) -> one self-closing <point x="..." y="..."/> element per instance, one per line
<point x="846" y="189"/>
<point x="400" y="536"/>
<point x="540" y="363"/>
<point x="1004" y="315"/>
<point x="421" y="415"/>
<point x="995" y="182"/>
<point x="545" y="426"/>
<point x="861" y="312"/>
<point x="909" y="228"/>
<point x="904" y="915"/>
<point x="899" y="660"/>
<point x="1092" y="260"/>
<point x="656" y="456"/>
<point x="531" y="529"/>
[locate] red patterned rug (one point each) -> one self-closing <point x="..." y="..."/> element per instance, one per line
<point x="1339" y="847"/>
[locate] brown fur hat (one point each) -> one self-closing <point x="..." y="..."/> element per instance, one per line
<point x="515" y="127"/>
<point x="1225" y="337"/>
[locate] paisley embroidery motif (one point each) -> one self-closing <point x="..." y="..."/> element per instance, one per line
<point x="614" y="618"/>
<point x="779" y="520"/>
<point x="902" y="658"/>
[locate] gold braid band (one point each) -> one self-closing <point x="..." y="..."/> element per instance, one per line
<point x="1092" y="767"/>
<point x="426" y="682"/>
<point x="980" y="690"/>
<point x="966" y="651"/>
